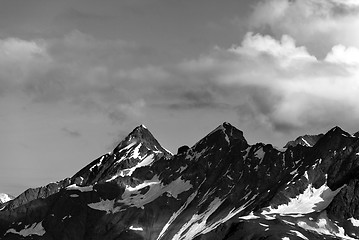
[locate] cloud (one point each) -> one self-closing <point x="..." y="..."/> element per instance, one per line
<point x="18" y="58"/>
<point x="273" y="83"/>
<point x="344" y="55"/>
<point x="71" y="133"/>
<point x="309" y="21"/>
<point x="95" y="75"/>
<point x="278" y="85"/>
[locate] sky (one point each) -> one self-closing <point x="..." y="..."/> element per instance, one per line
<point x="76" y="76"/>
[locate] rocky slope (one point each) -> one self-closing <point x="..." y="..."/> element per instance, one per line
<point x="220" y="188"/>
<point x="305" y="140"/>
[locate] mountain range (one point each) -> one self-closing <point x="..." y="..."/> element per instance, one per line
<point x="220" y="188"/>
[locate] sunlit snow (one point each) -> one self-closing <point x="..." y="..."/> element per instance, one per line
<point x="82" y="189"/>
<point x="145" y="162"/>
<point x="324" y="225"/>
<point x="197" y="224"/>
<point x="299" y="234"/>
<point x="4" y="198"/>
<point x="34" y="229"/>
<point x="97" y="164"/>
<point x="306" y="143"/>
<point x="249" y="216"/>
<point x="354" y="221"/>
<point x="136" y="228"/>
<point x="176" y="214"/>
<point x="133" y="197"/>
<point x="310" y="200"/>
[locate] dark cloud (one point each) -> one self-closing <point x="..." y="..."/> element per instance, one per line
<point x="71" y="133"/>
<point x="197" y="99"/>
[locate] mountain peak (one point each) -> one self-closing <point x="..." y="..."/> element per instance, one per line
<point x="225" y="133"/>
<point x="338" y="131"/>
<point x="305" y="140"/>
<point x="223" y="127"/>
<point x="334" y="137"/>
<point x="141" y="134"/>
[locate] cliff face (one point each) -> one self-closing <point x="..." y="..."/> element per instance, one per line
<point x="220" y="188"/>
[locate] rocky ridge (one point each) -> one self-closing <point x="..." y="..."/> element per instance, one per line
<point x="305" y="140"/>
<point x="220" y="188"/>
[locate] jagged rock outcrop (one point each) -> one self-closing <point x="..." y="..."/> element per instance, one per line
<point x="220" y="188"/>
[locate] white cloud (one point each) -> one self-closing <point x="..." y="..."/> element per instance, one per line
<point x="319" y="24"/>
<point x="344" y="55"/>
<point x="284" y="50"/>
<point x="348" y="3"/>
<point x="14" y="49"/>
<point x="277" y="84"/>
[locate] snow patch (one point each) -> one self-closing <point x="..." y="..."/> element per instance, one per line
<point x="145" y="162"/>
<point x="176" y="214"/>
<point x="136" y="228"/>
<point x="133" y="197"/>
<point x="136" y="151"/>
<point x="260" y="154"/>
<point x="197" y="224"/>
<point x="97" y="164"/>
<point x="306" y="143"/>
<point x="104" y="205"/>
<point x="310" y="200"/>
<point x="64" y="218"/>
<point x="34" y="229"/>
<point x="79" y="188"/>
<point x="324" y="226"/>
<point x="354" y="221"/>
<point x="128" y="146"/>
<point x="4" y="198"/>
<point x="249" y="217"/>
<point x="299" y="234"/>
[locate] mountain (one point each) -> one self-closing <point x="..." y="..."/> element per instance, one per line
<point x="306" y="140"/>
<point x="220" y="188"/>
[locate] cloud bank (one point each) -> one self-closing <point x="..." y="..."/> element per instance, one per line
<point x="309" y="21"/>
<point x="277" y="81"/>
<point x="281" y="85"/>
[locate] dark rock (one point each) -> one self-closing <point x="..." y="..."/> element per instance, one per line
<point x="182" y="149"/>
<point x="220" y="188"/>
